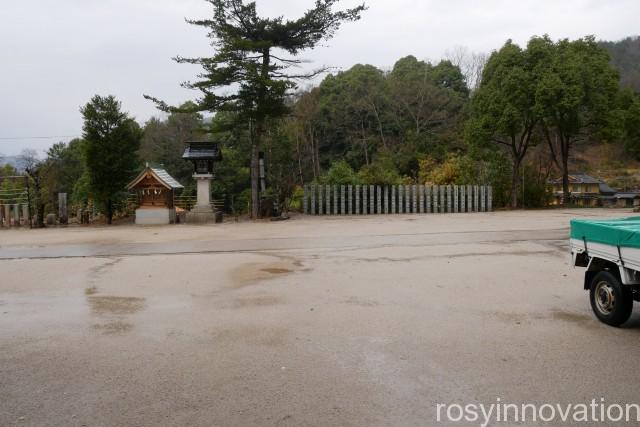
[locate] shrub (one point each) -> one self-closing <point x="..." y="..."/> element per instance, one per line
<point x="340" y="173"/>
<point x="382" y="171"/>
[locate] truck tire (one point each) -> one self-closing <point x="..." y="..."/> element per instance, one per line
<point x="611" y="301"/>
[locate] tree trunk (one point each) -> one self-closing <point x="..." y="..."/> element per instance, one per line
<point x="364" y="145"/>
<point x="566" y="195"/>
<point x="256" y="141"/>
<point x="255" y="196"/>
<point x="384" y="142"/>
<point x="109" y="211"/>
<point x="39" y="204"/>
<point x="316" y="152"/>
<point x="514" y="183"/>
<point x="314" y="161"/>
<point x="299" y="153"/>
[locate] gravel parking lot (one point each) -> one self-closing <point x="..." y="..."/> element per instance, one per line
<point x="312" y="321"/>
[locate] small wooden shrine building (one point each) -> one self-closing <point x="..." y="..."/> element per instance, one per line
<point x="155" y="189"/>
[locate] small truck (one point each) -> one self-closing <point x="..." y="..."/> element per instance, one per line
<point x="610" y="250"/>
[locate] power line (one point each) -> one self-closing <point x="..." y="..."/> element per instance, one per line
<point x="21" y="138"/>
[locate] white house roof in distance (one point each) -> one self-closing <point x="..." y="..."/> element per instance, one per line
<point x="161" y="175"/>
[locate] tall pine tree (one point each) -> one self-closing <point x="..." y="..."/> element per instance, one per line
<point x="249" y="64"/>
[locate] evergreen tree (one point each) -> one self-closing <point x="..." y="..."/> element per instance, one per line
<point x="503" y="109"/>
<point x="249" y="66"/>
<point x="112" y="141"/>
<point x="576" y="90"/>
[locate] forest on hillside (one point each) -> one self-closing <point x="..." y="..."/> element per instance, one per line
<point x="467" y="119"/>
<point x="625" y="56"/>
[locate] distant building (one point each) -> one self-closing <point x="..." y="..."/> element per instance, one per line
<point x="587" y="191"/>
<point x="627" y="200"/>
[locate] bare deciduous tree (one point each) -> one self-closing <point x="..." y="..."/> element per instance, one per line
<point x="470" y="63"/>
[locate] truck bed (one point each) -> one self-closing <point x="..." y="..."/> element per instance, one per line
<point x="616" y="240"/>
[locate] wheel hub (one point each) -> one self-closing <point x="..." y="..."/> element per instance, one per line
<point x="605" y="298"/>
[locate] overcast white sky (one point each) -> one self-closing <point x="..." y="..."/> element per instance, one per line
<point x="57" y="54"/>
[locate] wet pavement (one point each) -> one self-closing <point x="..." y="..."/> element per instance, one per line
<point x="310" y="322"/>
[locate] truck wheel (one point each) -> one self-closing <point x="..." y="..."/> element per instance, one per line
<point x="611" y="301"/>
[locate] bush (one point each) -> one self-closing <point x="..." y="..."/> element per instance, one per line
<point x="455" y="169"/>
<point x="295" y="203"/>
<point x="240" y="203"/>
<point x="382" y="171"/>
<point x="340" y="173"/>
<point x="536" y="192"/>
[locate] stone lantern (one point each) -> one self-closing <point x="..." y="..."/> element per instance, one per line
<point x="202" y="155"/>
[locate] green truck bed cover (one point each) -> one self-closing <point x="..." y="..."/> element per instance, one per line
<point x="624" y="232"/>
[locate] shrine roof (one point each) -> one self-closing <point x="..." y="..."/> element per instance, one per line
<point x="160" y="175"/>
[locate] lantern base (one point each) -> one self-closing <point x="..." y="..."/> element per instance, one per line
<point x="203" y="215"/>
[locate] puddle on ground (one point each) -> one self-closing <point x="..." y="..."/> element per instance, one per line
<point x="277" y="270"/>
<point x="253" y="272"/>
<point x="361" y="302"/>
<point x="519" y="318"/>
<point x="252" y="335"/>
<point x="102" y="305"/>
<point x="113" y="328"/>
<point x="250" y="302"/>
<point x="571" y="317"/>
<point x="100" y="269"/>
<point x="111" y="311"/>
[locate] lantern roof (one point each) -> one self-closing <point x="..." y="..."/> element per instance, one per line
<point x="160" y="175"/>
<point x="202" y="150"/>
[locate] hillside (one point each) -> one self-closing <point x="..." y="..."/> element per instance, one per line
<point x="609" y="163"/>
<point x="625" y="56"/>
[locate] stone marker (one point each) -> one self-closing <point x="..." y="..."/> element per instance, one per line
<point x="62" y="208"/>
<point x="305" y="204"/>
<point x="393" y="199"/>
<point x="386" y="199"/>
<point x="407" y="199"/>
<point x="476" y="197"/>
<point x="372" y="199"/>
<point x="7" y="215"/>
<point x="414" y="199"/>
<point x="50" y="219"/>
<point x="365" y="201"/>
<point x="328" y="200"/>
<point x="455" y="199"/>
<point x="25" y="213"/>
